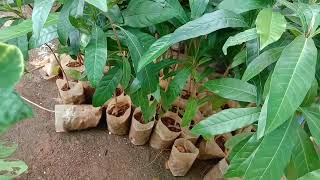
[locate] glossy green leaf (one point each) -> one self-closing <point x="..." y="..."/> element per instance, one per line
<point x="314" y="175"/>
<point x="304" y="158"/>
<point x="207" y="24"/>
<point x="197" y="7"/>
<point x="155" y="51"/>
<point x="204" y="25"/>
<point x="261" y="62"/>
<point x="190" y="112"/>
<point x="240" y="38"/>
<point x="126" y="77"/>
<point x="11" y="169"/>
<point x="290" y="81"/>
<point x="234" y="140"/>
<point x="46" y="35"/>
<point x="226" y="121"/>
<point x="234" y="89"/>
<point x="107" y="86"/>
<point x="244" y="6"/>
<point x="175" y="87"/>
<point x="40" y="14"/>
<point x="273" y="154"/>
<point x="7" y="150"/>
<point x="311" y="95"/>
<point x="241" y="155"/>
<point x="70" y="8"/>
<point x="313" y="120"/>
<point x="146" y="79"/>
<point x="100" y="4"/>
<point x="141" y="100"/>
<point x="13" y="109"/>
<point x="262" y="119"/>
<point x="270" y="26"/>
<point x="12" y="65"/>
<point x="143" y="13"/>
<point x="96" y="56"/>
<point x="240" y="58"/>
<point x="181" y="14"/>
<point x="22" y="43"/>
<point x="25" y="27"/>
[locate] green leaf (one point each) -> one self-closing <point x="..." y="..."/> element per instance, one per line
<point x="13" y="109"/>
<point x="244" y="6"/>
<point x="263" y="119"/>
<point x="126" y="77"/>
<point x="235" y="140"/>
<point x="290" y="81"/>
<point x="22" y="43"/>
<point x="141" y="100"/>
<point x="181" y="14"/>
<point x="240" y="58"/>
<point x="46" y="35"/>
<point x="11" y="169"/>
<point x="70" y="8"/>
<point x="311" y="95"/>
<point x="207" y="24"/>
<point x="204" y="25"/>
<point x="261" y="62"/>
<point x="270" y="26"/>
<point x="7" y="150"/>
<point x="190" y="112"/>
<point x="107" y="86"/>
<point x="12" y="65"/>
<point x="305" y="158"/>
<point x="175" y="87"/>
<point x="147" y="80"/>
<point x="100" y="4"/>
<point x="24" y="27"/>
<point x="241" y="155"/>
<point x="273" y="154"/>
<point x="96" y="56"/>
<point x="240" y="38"/>
<point x="234" y="89"/>
<point x="197" y="7"/>
<point x="314" y="175"/>
<point x="144" y="13"/>
<point x="226" y="121"/>
<point x="155" y="51"/>
<point x="40" y="14"/>
<point x="313" y="122"/>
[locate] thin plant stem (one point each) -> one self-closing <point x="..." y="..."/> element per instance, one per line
<point x="59" y="63"/>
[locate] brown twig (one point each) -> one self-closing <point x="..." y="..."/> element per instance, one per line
<point x="59" y="63"/>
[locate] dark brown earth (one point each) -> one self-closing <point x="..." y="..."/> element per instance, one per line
<point x="89" y="154"/>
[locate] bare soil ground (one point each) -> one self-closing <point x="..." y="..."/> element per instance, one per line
<point x="89" y="154"/>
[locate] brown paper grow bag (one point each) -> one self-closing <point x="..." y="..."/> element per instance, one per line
<point x="69" y="65"/>
<point x="119" y="125"/>
<point x="139" y="133"/>
<point x="217" y="172"/>
<point x="187" y="134"/>
<point x="76" y="117"/>
<point x="74" y="95"/>
<point x="162" y="137"/>
<point x="180" y="162"/>
<point x="210" y="149"/>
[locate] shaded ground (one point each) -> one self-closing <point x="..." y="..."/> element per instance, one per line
<point x="90" y="154"/>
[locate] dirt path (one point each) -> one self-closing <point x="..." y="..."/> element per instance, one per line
<point x="90" y="154"/>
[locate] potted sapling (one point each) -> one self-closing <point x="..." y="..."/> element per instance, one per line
<point x="70" y="92"/>
<point x="189" y="119"/>
<point x="166" y="131"/>
<point x="73" y="68"/>
<point x="142" y="124"/>
<point x="183" y="154"/>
